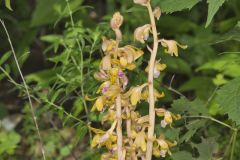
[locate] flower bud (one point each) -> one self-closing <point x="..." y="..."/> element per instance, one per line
<point x="116" y="21"/>
<point x="157" y="13"/>
<point x="142" y="33"/>
<point x="141" y="2"/>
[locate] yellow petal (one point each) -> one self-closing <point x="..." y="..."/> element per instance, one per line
<point x="106" y="63"/>
<point x="160" y="112"/>
<point x="99" y="103"/>
<point x="131" y="66"/>
<point x="163" y="144"/>
<point x="95" y="141"/>
<point x="168" y="117"/>
<point x="161" y="67"/>
<point x="123" y="61"/>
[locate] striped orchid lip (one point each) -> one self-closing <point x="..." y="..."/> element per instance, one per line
<point x="105" y="89"/>
<point x="121" y="74"/>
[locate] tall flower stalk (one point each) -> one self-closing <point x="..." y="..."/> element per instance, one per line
<point x="119" y="102"/>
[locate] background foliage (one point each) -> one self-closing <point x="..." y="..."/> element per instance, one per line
<point x="58" y="47"/>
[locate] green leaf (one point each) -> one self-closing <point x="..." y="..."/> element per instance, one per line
<point x="65" y="151"/>
<point x="182" y="155"/>
<point x="233" y="34"/>
<point x="206" y="148"/>
<point x="202" y="86"/>
<point x="49" y="11"/>
<point x="183" y="105"/>
<point x="170" y="6"/>
<point x="228" y="97"/>
<point x="228" y="64"/>
<point x="192" y="128"/>
<point x="8" y="4"/>
<point x="177" y="65"/>
<point x="213" y="6"/>
<point x="5" y="57"/>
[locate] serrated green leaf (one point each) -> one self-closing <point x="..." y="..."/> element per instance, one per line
<point x="8" y="4"/>
<point x="182" y="155"/>
<point x="183" y="105"/>
<point x="213" y="6"/>
<point x="228" y="97"/>
<point x="206" y="148"/>
<point x="170" y="6"/>
<point x="192" y="128"/>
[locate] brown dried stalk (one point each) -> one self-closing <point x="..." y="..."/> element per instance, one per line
<point x="150" y="85"/>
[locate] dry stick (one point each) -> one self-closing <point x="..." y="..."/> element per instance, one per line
<point x="150" y="86"/>
<point x="119" y="118"/>
<point x="26" y="88"/>
<point x="119" y="127"/>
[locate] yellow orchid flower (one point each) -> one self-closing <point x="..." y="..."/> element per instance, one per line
<point x="104" y="138"/>
<point x="136" y="94"/>
<point x="168" y="116"/>
<point x="141" y="34"/>
<point x="101" y="76"/>
<point x="109" y="46"/>
<point x="158" y="67"/>
<point x="172" y="46"/>
<point x="162" y="147"/>
<point x="140" y="141"/>
<point x="157" y="94"/>
<point x="110" y="116"/>
<point x="104" y="87"/>
<point x="99" y="104"/>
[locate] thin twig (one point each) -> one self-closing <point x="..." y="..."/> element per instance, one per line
<point x="213" y="119"/>
<point x="172" y="89"/>
<point x="26" y="88"/>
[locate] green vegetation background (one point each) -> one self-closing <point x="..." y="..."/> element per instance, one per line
<point x="59" y="73"/>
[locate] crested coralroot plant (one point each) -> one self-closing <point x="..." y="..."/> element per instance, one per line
<point x="131" y="135"/>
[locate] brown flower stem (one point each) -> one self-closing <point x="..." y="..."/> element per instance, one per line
<point x="119" y="127"/>
<point x="128" y="126"/>
<point x="119" y="116"/>
<point x="150" y="85"/>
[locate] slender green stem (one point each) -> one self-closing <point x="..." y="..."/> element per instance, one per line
<point x="212" y="119"/>
<point x="233" y="144"/>
<point x="27" y="91"/>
